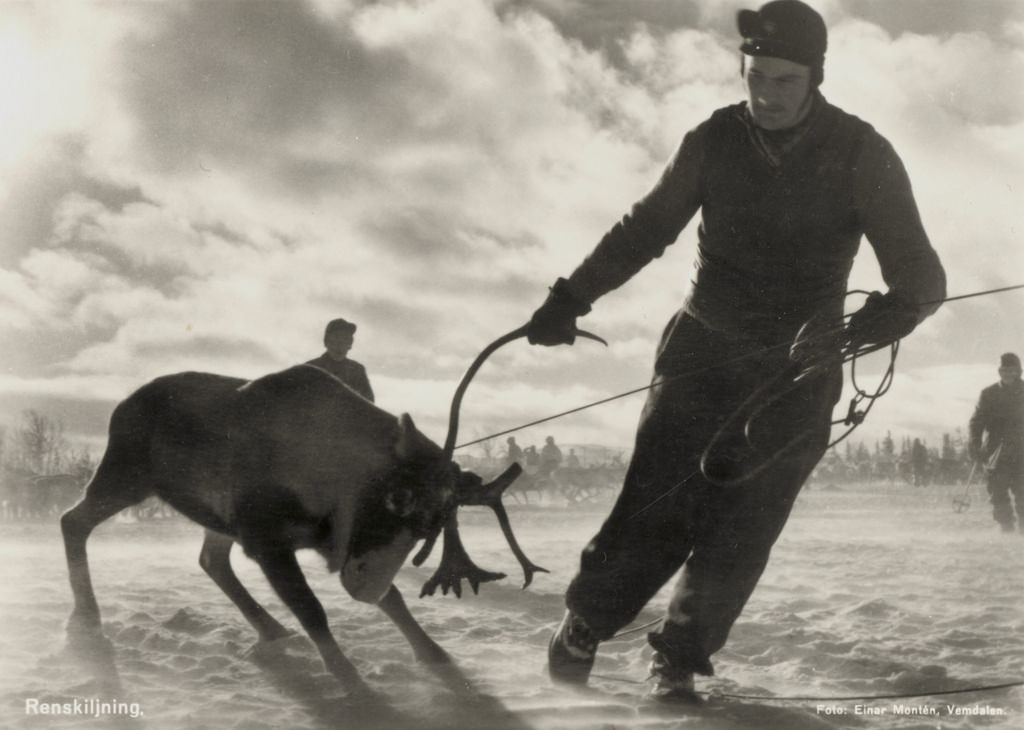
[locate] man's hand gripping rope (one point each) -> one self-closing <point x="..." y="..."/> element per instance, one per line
<point x="882" y="322"/>
<point x="821" y="345"/>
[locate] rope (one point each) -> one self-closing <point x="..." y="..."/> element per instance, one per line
<point x="854" y="418"/>
<point x="559" y="415"/>
<point x="756" y="353"/>
<point x="804" y="698"/>
<point x="974" y="294"/>
<point x="653" y="384"/>
<point x="635" y="629"/>
<point x="847" y="698"/>
<point x="828" y="698"/>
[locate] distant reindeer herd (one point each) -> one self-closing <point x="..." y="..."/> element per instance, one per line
<point x="25" y="495"/>
<point x="28" y="496"/>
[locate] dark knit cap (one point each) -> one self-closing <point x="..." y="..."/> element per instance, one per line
<point x="340" y="324"/>
<point x="1009" y="360"/>
<point x="786" y="29"/>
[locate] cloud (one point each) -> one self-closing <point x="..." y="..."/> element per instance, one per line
<point x="230" y="175"/>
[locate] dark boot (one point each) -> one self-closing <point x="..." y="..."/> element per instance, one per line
<point x="671" y="684"/>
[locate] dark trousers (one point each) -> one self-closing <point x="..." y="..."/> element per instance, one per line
<point x="668" y="515"/>
<point x="1005" y="480"/>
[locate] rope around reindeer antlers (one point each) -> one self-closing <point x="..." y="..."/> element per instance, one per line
<point x="660" y="381"/>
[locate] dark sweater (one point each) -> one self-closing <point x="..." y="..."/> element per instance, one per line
<point x="1000" y="415"/>
<point x="780" y="224"/>
<point x="347" y="371"/>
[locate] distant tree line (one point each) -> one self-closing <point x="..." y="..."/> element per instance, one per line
<point x="38" y="444"/>
<point x="41" y="472"/>
<point x="915" y="462"/>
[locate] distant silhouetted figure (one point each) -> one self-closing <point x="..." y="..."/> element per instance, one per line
<point x="999" y="417"/>
<point x="515" y="454"/>
<point x="550" y="456"/>
<point x="919" y="463"/>
<point x="338" y="338"/>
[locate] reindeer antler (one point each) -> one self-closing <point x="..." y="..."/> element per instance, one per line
<point x="455" y="562"/>
<point x="456" y="565"/>
<point x="490" y="496"/>
<point x="453" y="415"/>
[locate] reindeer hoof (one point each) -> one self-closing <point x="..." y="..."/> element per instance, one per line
<point x="83" y="624"/>
<point x="269" y="649"/>
<point x="361" y="697"/>
<point x="275" y="633"/>
<point x="86" y="639"/>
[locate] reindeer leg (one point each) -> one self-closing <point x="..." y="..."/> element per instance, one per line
<point x="286" y="578"/>
<point x="425" y="648"/>
<point x="107" y="494"/>
<point x="215" y="559"/>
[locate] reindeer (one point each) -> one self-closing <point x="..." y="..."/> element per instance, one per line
<point x="292" y="460"/>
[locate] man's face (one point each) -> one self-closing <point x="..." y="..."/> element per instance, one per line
<point x="1009" y="375"/>
<point x="338" y="343"/>
<point x="778" y="91"/>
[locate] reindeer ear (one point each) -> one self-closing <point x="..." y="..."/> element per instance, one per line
<point x="405" y="445"/>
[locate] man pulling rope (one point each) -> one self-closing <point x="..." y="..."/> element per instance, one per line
<point x="786" y="184"/>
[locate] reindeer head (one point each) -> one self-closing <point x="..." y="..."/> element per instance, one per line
<point x="408" y="502"/>
<point x="421" y="500"/>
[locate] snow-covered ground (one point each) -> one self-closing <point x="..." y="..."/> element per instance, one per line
<point x="872" y="590"/>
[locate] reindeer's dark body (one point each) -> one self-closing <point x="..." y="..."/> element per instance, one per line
<point x="296" y="447"/>
<point x="293" y="460"/>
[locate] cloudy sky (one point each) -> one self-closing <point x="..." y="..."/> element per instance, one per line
<point x="201" y="186"/>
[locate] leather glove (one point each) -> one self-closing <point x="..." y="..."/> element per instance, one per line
<point x="554" y="323"/>
<point x="883" y="319"/>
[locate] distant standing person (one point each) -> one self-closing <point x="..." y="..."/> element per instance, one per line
<point x="339" y="335"/>
<point x="550" y="456"/>
<point x="997" y="435"/>
<point x="515" y="453"/>
<point x="919" y="463"/>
